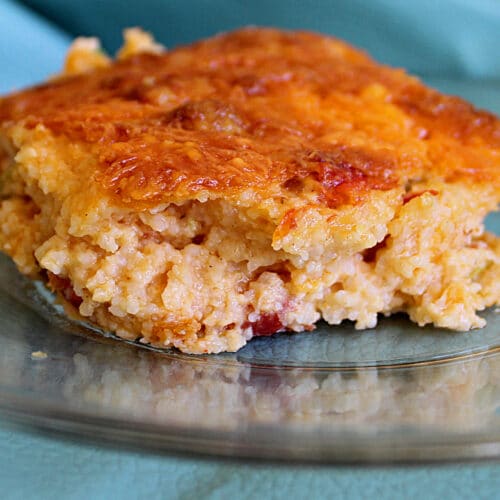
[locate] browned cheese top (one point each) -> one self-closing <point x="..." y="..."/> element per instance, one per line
<point x="257" y="108"/>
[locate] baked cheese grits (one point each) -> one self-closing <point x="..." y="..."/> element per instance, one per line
<point x="251" y="183"/>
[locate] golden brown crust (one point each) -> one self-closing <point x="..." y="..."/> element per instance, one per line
<point x="261" y="107"/>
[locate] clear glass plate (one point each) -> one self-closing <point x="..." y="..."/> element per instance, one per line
<point x="395" y="393"/>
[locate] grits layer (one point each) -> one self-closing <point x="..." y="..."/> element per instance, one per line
<point x="207" y="276"/>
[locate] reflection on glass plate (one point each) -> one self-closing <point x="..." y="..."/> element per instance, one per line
<point x="397" y="392"/>
<point x="327" y="395"/>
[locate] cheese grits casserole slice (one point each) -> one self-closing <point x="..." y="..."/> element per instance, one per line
<point x="247" y="184"/>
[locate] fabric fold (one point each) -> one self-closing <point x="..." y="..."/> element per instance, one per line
<point x="31" y="48"/>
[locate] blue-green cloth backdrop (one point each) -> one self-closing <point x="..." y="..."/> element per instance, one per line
<point x="452" y="37"/>
<point x="439" y="39"/>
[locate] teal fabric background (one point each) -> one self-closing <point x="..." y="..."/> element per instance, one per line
<point x="452" y="37"/>
<point x="41" y="467"/>
<point x="27" y="59"/>
<point x="440" y="39"/>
